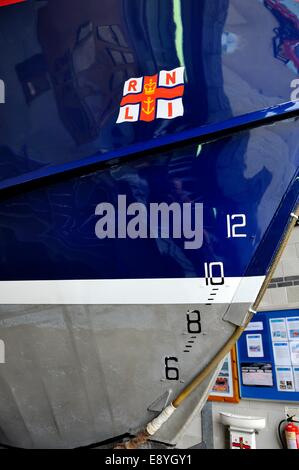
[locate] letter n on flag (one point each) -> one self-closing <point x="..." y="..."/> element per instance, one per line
<point x="158" y="96"/>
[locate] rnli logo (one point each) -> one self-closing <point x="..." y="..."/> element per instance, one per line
<point x="158" y="96"/>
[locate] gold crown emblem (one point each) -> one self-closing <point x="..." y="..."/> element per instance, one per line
<point x="150" y="88"/>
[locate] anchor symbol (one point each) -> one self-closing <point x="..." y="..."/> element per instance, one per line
<point x="148" y="110"/>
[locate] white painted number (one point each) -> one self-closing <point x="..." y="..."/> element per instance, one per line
<point x="232" y="227"/>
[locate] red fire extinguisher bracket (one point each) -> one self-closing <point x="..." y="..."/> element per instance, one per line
<point x="291" y="434"/>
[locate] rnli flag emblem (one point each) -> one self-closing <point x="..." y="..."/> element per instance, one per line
<point x="158" y="96"/>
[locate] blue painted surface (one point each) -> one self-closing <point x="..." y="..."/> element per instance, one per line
<point x="258" y="392"/>
<point x="229" y="126"/>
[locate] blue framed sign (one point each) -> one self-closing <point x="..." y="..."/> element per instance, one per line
<point x="268" y="357"/>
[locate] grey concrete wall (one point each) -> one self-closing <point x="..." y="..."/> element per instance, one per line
<point x="283" y="293"/>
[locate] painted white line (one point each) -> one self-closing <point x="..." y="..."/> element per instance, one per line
<point x="130" y="291"/>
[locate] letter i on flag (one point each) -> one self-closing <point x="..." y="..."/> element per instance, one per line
<point x="158" y="96"/>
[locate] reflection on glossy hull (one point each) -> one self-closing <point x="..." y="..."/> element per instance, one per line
<point x="101" y="333"/>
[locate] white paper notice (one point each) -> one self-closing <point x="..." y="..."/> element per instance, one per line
<point x="296" y="378"/>
<point x="254" y="326"/>
<point x="294" y="349"/>
<point x="285" y="381"/>
<point x="282" y="354"/>
<point x="254" y="345"/>
<point x="278" y="329"/>
<point x="293" y="327"/>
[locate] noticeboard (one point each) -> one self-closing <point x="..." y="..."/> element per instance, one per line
<point x="268" y="357"/>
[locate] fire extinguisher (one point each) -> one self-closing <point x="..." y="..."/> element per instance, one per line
<point x="291" y="433"/>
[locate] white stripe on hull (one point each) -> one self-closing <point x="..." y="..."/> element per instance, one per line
<point x="130" y="291"/>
